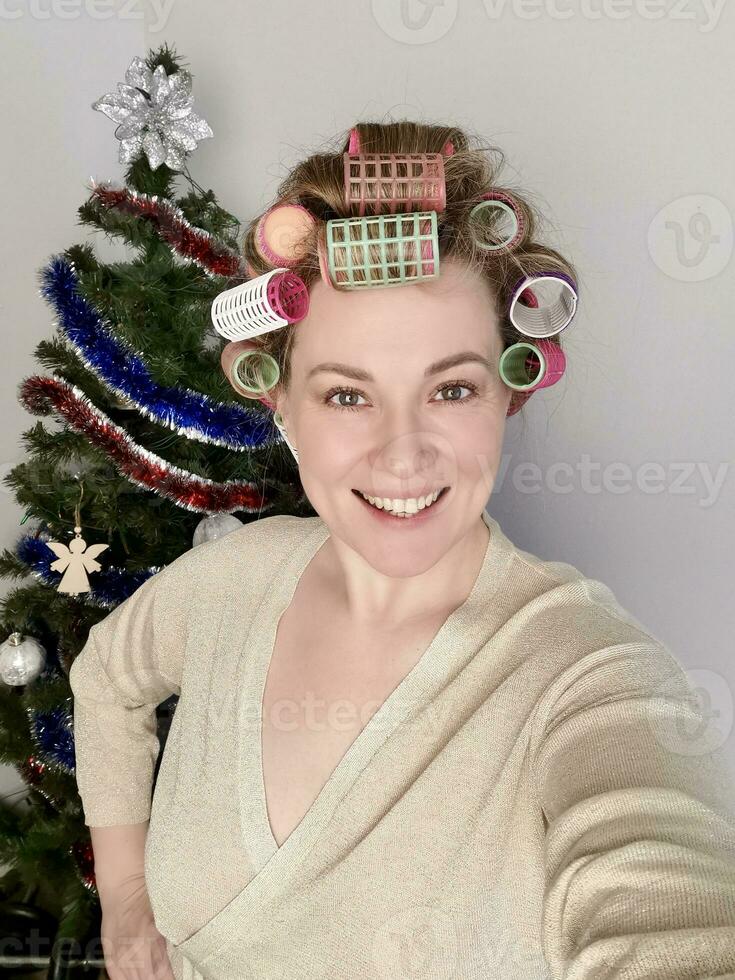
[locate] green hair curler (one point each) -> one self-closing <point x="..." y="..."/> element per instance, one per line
<point x="525" y="366"/>
<point x="351" y="243"/>
<point x="249" y="369"/>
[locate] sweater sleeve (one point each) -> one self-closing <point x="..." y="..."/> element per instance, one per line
<point x="131" y="662"/>
<point x="639" y="811"/>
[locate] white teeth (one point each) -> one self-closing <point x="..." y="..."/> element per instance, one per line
<point x="402" y="508"/>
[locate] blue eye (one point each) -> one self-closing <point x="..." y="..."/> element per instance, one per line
<point x="472" y="388"/>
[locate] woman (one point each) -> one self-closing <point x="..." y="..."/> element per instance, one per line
<point x="403" y="746"/>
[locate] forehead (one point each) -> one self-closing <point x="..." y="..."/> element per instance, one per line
<point x="427" y="320"/>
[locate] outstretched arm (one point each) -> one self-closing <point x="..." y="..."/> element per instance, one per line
<point x="640" y="811"/>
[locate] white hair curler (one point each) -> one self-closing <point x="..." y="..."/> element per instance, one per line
<point x="255" y="307"/>
<point x="544" y="320"/>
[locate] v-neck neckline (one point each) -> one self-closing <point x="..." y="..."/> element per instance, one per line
<point x="453" y="646"/>
<point x="428" y="674"/>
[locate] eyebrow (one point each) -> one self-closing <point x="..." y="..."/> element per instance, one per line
<point x="359" y="374"/>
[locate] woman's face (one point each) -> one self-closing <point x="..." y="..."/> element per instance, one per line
<point x="396" y="430"/>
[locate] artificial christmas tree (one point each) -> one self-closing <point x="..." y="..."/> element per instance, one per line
<point x="155" y="453"/>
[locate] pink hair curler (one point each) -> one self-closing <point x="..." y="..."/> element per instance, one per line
<point x="543" y="320"/>
<point x="256" y="306"/>
<point x="377" y="183"/>
<point x="448" y="149"/>
<point x="281" y="232"/>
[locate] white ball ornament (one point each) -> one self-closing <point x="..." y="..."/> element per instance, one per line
<point x="22" y="658"/>
<point x="215" y="526"/>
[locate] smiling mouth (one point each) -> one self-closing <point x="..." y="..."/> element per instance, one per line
<point x="400" y="513"/>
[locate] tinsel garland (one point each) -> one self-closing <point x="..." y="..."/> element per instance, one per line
<point x="111" y="585"/>
<point x="52" y="732"/>
<point x="124" y="371"/>
<point x="41" y="396"/>
<point x="190" y="243"/>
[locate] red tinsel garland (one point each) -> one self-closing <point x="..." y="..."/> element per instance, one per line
<point x="41" y="395"/>
<point x="186" y="240"/>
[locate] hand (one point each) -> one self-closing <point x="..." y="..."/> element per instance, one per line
<point x="132" y="946"/>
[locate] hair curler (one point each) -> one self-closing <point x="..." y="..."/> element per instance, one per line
<point x="526" y="367"/>
<point x="543" y="320"/>
<point x="350" y="244"/>
<point x="249" y="368"/>
<point x="482" y="214"/>
<point x="256" y="306"/>
<point x="281" y="231"/>
<point x="377" y="183"/>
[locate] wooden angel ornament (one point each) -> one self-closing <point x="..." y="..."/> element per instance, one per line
<point x="75" y="560"/>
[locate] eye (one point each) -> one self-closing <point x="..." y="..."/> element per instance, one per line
<point x="341" y="391"/>
<point x="448" y="386"/>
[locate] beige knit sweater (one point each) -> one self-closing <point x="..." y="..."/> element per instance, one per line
<point x="540" y="797"/>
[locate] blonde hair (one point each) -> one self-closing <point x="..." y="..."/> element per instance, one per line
<point x="317" y="183"/>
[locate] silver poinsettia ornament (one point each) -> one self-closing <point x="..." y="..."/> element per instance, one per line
<point x="155" y="115"/>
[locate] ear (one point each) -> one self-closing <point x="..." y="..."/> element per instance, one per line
<point x="279" y="398"/>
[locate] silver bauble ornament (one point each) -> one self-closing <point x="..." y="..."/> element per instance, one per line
<point x="22" y="658"/>
<point x="215" y="526"/>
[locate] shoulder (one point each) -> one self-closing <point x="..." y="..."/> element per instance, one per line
<point x="563" y="596"/>
<point x="577" y="632"/>
<point x="251" y="550"/>
<point x="199" y="579"/>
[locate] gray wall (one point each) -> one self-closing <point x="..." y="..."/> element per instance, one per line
<point x="611" y="115"/>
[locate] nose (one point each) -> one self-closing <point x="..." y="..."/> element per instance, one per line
<point x="408" y="458"/>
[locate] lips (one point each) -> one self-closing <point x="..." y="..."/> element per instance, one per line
<point x="387" y="519"/>
<point x="442" y="493"/>
<point x="399" y="496"/>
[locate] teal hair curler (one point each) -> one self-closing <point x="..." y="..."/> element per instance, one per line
<point x="352" y="243"/>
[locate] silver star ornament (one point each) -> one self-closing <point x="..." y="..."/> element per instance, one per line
<point x="154" y="112"/>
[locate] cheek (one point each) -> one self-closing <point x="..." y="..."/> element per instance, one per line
<point x="477" y="441"/>
<point x="326" y="447"/>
